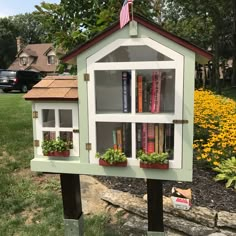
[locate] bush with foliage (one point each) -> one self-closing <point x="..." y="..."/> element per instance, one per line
<point x="227" y="172"/>
<point x="112" y="156"/>
<point x="214" y="128"/>
<point x="151" y="158"/>
<point x="58" y="145"/>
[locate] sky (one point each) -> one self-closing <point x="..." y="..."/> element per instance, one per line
<point x="15" y="7"/>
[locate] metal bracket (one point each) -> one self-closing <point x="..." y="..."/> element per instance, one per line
<point x="180" y="122"/>
<point x="86" y="77"/>
<point x="88" y="146"/>
<point x="74" y="227"/>
<point x="35" y="114"/>
<point x="36" y="143"/>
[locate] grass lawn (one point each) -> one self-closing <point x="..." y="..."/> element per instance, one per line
<point x="30" y="203"/>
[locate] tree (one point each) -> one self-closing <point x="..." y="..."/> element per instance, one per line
<point x="73" y="22"/>
<point x="207" y="19"/>
<point x="25" y="25"/>
<point x="7" y="37"/>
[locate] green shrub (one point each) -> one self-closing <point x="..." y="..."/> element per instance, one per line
<point x="112" y="156"/>
<point x="227" y="172"/>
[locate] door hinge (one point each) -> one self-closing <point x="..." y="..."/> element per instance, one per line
<point x="180" y="122"/>
<point x="75" y="130"/>
<point x="35" y="114"/>
<point x="88" y="146"/>
<point x="86" y="77"/>
<point x="36" y="143"/>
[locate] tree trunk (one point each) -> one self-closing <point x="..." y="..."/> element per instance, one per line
<point x="233" y="79"/>
<point x="216" y="78"/>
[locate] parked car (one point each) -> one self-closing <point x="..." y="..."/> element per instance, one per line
<point x="18" y="80"/>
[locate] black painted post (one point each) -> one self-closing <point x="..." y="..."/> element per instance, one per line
<point x="155" y="205"/>
<point x="71" y="197"/>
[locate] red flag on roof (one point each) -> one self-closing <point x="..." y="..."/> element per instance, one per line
<point x="124" y="13"/>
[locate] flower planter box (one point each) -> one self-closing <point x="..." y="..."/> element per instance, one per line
<point x="154" y="165"/>
<point x="58" y="154"/>
<point x="118" y="164"/>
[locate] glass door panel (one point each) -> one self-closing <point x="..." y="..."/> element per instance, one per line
<point x="114" y="135"/>
<point x="157" y="138"/>
<point x="112" y="91"/>
<point x="155" y="91"/>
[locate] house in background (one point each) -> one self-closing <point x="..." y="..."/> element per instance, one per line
<point x="36" y="57"/>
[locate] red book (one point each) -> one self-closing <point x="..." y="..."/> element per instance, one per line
<point x="140" y="93"/>
<point x="144" y="137"/>
<point x="150" y="138"/>
<point x="156" y="138"/>
<point x="153" y="92"/>
<point x="158" y="92"/>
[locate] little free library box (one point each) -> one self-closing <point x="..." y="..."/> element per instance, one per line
<point x="132" y="97"/>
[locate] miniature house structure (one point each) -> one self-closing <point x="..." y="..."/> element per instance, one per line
<point x="136" y="88"/>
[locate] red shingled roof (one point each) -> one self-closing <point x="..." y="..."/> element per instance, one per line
<point x="38" y="58"/>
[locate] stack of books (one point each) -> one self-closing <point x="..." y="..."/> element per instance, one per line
<point x="154" y="137"/>
<point x="122" y="138"/>
<point x="149" y="93"/>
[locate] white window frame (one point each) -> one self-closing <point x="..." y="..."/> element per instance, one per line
<point x="56" y="107"/>
<point x="177" y="64"/>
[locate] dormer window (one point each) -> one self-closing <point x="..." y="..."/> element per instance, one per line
<point x="23" y="61"/>
<point x="51" y="59"/>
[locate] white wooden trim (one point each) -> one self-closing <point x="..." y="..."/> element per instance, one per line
<point x="137" y="118"/>
<point x="133" y="117"/>
<point x="133" y="140"/>
<point x="91" y="116"/>
<point x="133" y="92"/>
<point x="56" y="107"/>
<point x="131" y="42"/>
<point x="152" y="65"/>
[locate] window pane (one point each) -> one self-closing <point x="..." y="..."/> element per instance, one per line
<point x="114" y="135"/>
<point x="112" y="91"/>
<point x="65" y="117"/>
<point x="49" y="135"/>
<point x="155" y="91"/>
<point x="155" y="138"/>
<point x="134" y="53"/>
<point x="68" y="137"/>
<point x="48" y="118"/>
<point x="51" y="60"/>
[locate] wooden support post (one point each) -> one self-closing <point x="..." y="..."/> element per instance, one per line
<point x="155" y="207"/>
<point x="71" y="197"/>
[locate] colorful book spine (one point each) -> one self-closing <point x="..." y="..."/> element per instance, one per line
<point x="139" y="136"/>
<point x="161" y="138"/>
<point x="119" y="138"/>
<point x="158" y="92"/>
<point x="150" y="138"/>
<point x="169" y="139"/>
<point x="153" y="92"/>
<point x="144" y="137"/>
<point x="140" y="93"/>
<point x="126" y="100"/>
<point x="145" y="96"/>
<point x="156" y="131"/>
<point x="114" y="139"/>
<point x="126" y="133"/>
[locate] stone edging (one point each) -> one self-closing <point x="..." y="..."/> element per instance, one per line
<point x="196" y="221"/>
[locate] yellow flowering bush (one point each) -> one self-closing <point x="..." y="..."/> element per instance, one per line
<point x="214" y="127"/>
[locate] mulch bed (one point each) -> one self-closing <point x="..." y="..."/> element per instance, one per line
<point x="205" y="191"/>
